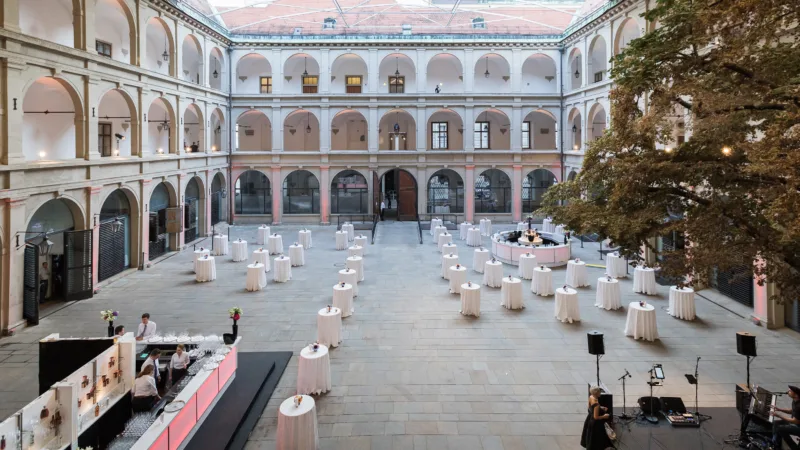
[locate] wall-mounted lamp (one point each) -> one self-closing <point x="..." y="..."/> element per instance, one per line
<point x="42" y="154"/>
<point x="44" y="246"/>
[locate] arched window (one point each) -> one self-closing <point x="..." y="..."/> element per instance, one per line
<point x="533" y="188"/>
<point x="445" y="193"/>
<point x="114" y="254"/>
<point x="252" y="194"/>
<point x="493" y="192"/>
<point x="301" y="193"/>
<point x="349" y="193"/>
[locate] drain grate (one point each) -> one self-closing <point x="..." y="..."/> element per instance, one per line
<point x="338" y="264"/>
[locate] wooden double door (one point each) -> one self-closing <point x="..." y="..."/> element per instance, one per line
<point x="398" y="190"/>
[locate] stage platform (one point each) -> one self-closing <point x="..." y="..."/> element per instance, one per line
<point x="230" y="422"/>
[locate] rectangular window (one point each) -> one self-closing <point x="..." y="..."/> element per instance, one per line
<point x="310" y="84"/>
<point x="598" y="77"/>
<point x="397" y="85"/>
<point x="439" y="139"/>
<point x="481" y="136"/>
<point x="266" y="85"/>
<point x="526" y="135"/>
<point x="353" y="83"/>
<point x="104" y="138"/>
<point x="103" y="48"/>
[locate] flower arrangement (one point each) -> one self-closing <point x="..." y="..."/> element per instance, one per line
<point x="297" y="400"/>
<point x="235" y="313"/>
<point x="109" y="315"/>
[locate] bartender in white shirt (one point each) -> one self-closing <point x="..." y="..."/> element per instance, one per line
<point x="146" y="329"/>
<point x="152" y="360"/>
<point x="144" y="391"/>
<point x="178" y="364"/>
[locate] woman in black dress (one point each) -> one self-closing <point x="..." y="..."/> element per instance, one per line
<point x="594" y="435"/>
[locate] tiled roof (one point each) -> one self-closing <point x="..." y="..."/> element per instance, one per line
<point x="282" y="17"/>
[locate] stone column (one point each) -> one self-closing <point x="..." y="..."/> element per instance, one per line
<point x="469" y="125"/>
<point x="93" y="109"/>
<point x="516" y="193"/>
<point x="13" y="265"/>
<point x="180" y="136"/>
<point x="277" y="129"/>
<point x="277" y="73"/>
<point x="515" y="129"/>
<point x="144" y="220"/>
<point x="324" y="72"/>
<point x="373" y="137"/>
<point x="373" y="71"/>
<point x="12" y="112"/>
<point x="10" y="14"/>
<point x="517" y="61"/>
<point x="324" y="195"/>
<point x="469" y="71"/>
<point x="79" y="28"/>
<point x="144" y="130"/>
<point x="94" y="207"/>
<point x="182" y="180"/>
<point x="178" y="52"/>
<point x="209" y="176"/>
<point x="89" y="32"/>
<point x="422" y="70"/>
<point x="324" y="129"/>
<point x="277" y="195"/>
<point x="422" y="128"/>
<point x="469" y="192"/>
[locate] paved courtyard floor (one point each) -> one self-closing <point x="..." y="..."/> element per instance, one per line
<point x="412" y="373"/>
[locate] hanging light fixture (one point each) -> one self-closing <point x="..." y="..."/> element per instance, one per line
<point x="574" y="128"/>
<point x="215" y="74"/>
<point x="45" y="246"/>
<point x="308" y="122"/>
<point x="165" y="55"/>
<point x="397" y="66"/>
<point x="396" y="122"/>
<point x="577" y="74"/>
<point x="486" y="74"/>
<point x="305" y="67"/>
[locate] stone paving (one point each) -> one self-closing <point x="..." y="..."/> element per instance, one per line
<point x="412" y="373"/>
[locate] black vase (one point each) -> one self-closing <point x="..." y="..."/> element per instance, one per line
<point x="110" y="329"/>
<point x="235" y="329"/>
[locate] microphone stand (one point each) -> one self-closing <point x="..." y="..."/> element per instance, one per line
<point x="624" y="415"/>
<point x="700" y="417"/>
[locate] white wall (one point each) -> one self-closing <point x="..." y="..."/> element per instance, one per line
<point x="53" y="134"/>
<point x="113" y="104"/>
<point x="294" y="67"/>
<point x="445" y="69"/>
<point x="111" y="25"/>
<point x="216" y="61"/>
<point x="262" y="132"/>
<point x="48" y="19"/>
<point x="407" y="126"/>
<point x="158" y="139"/>
<point x="300" y="140"/>
<point x="599" y="61"/>
<point x="575" y="64"/>
<point x="190" y="58"/>
<point x="252" y="66"/>
<point x="538" y="122"/>
<point x="389" y="65"/>
<point x="498" y="68"/>
<point x="348" y="64"/>
<point x="352" y="126"/>
<point x="216" y="137"/>
<point x="195" y="133"/>
<point x="534" y="71"/>
<point x="156" y="40"/>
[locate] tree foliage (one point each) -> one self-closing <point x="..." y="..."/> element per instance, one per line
<point x="730" y="71"/>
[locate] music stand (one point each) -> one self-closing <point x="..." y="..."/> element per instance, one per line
<point x="656" y="373"/>
<point x="695" y="380"/>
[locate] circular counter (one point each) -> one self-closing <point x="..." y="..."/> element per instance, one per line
<point x="547" y="255"/>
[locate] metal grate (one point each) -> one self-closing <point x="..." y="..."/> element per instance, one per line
<point x="78" y="256"/>
<point x="736" y="283"/>
<point x="158" y="247"/>
<point x="111" y="254"/>
<point x="216" y="207"/>
<point x="30" y="301"/>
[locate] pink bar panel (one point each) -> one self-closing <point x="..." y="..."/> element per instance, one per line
<point x="228" y="366"/>
<point x="207" y="393"/>
<point x="183" y="423"/>
<point x="162" y="443"/>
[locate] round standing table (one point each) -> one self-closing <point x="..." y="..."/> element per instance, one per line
<point x="479" y="258"/>
<point x="314" y="371"/>
<point x="341" y="240"/>
<point x="283" y="269"/>
<point x="436" y="232"/>
<point x="527" y="262"/>
<point x="297" y="255"/>
<point x="566" y="305"/>
<point x="206" y="269"/>
<point x="361" y="241"/>
<point x="445" y="238"/>
<point x="275" y="244"/>
<point x="486" y="227"/>
<point x="458" y="276"/>
<point x="547" y="225"/>
<point x="201" y="252"/>
<point x="256" y="277"/>
<point x="356" y="263"/>
<point x="471" y="299"/>
<point x="350" y="230"/>
<point x="435" y="223"/>
<point x="576" y="274"/>
<point x="542" y="281"/>
<point x="644" y="281"/>
<point x="220" y="244"/>
<point x="350" y="277"/>
<point x="305" y="238"/>
<point x="450" y="248"/>
<point x="343" y="298"/>
<point x="681" y="303"/>
<point x="511" y="293"/>
<point x="462" y="230"/>
<point x="239" y="250"/>
<point x="263" y="234"/>
<point x="329" y="326"/>
<point x="448" y="261"/>
<point x="262" y="256"/>
<point x="297" y="425"/>
<point x="493" y="273"/>
<point x="474" y="237"/>
<point x="641" y="323"/>
<point x="615" y="266"/>
<point x="608" y="294"/>
<point x="355" y="250"/>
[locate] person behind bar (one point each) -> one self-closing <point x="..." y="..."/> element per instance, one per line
<point x="152" y="360"/>
<point x="145" y="393"/>
<point x="119" y="330"/>
<point x="178" y="364"/>
<point x="146" y="329"/>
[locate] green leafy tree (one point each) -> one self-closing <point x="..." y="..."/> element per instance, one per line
<point x="730" y="72"/>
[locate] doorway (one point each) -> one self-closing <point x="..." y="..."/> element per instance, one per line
<point x="398" y="190"/>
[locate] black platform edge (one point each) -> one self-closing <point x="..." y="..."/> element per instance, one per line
<point x="236" y="413"/>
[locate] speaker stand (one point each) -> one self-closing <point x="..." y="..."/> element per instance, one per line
<point x="598" y="371"/>
<point x="748" y="370"/>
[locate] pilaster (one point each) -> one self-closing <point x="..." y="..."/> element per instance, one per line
<point x="373" y="136"/>
<point x="277" y="195"/>
<point x="422" y="70"/>
<point x="469" y="192"/>
<point x="516" y="193"/>
<point x="181" y="188"/>
<point x="373" y="70"/>
<point x="277" y="74"/>
<point x="13" y="265"/>
<point x="422" y="128"/>
<point x="324" y="72"/>
<point x="324" y="129"/>
<point x="144" y="218"/>
<point x="92" y="151"/>
<point x="469" y="71"/>
<point x="325" y="195"/>
<point x="469" y="126"/>
<point x="89" y="27"/>
<point x="515" y="128"/>
<point x="516" y="70"/>
<point x="94" y="206"/>
<point x="10" y="12"/>
<point x="179" y="148"/>
<point x="277" y="129"/>
<point x="12" y="111"/>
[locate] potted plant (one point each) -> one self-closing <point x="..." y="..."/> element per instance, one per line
<point x="235" y="313"/>
<point x="109" y="316"/>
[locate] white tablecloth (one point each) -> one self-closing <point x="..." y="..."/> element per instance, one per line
<point x="297" y="255"/>
<point x="350" y="230"/>
<point x="329" y="326"/>
<point x="511" y="293"/>
<point x="449" y="248"/>
<point x="608" y="295"/>
<point x="220" y="245"/>
<point x="435" y="223"/>
<point x="474" y="237"/>
<point x="350" y="277"/>
<point x="445" y="238"/>
<point x="275" y="244"/>
<point x="448" y="260"/>
<point x="566" y="305"/>
<point x="199" y="253"/>
<point x="462" y="230"/>
<point x="356" y="263"/>
<point x="559" y="229"/>
<point x="283" y="269"/>
<point x="547" y="225"/>
<point x="542" y="281"/>
<point x="681" y="303"/>
<point x="263" y="234"/>
<point x="314" y="371"/>
<point x="527" y="262"/>
<point x="343" y="298"/>
<point x="262" y="256"/>
<point x="239" y="250"/>
<point x="479" y="258"/>
<point x="297" y="426"/>
<point x="304" y="236"/>
<point x="341" y="240"/>
<point x="471" y="299"/>
<point x="436" y="232"/>
<point x="493" y="273"/>
<point x="615" y="266"/>
<point x="458" y="276"/>
<point x="206" y="269"/>
<point x="641" y="322"/>
<point x="644" y="280"/>
<point x="576" y="274"/>
<point x="486" y="227"/>
<point x="361" y="241"/>
<point x="355" y="250"/>
<point x="522" y="226"/>
<point x="256" y="277"/>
